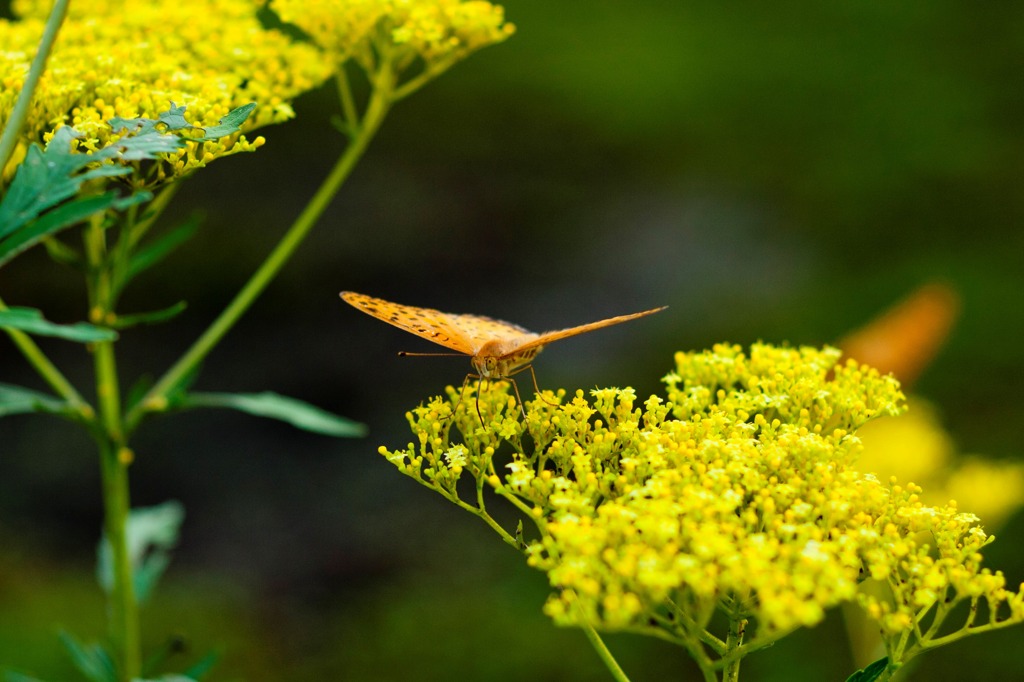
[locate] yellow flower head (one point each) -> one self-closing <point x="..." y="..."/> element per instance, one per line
<point x="439" y="32"/>
<point x="133" y="58"/>
<point x="915" y="446"/>
<point x="738" y="494"/>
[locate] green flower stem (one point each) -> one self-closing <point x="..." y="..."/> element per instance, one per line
<point x="154" y="210"/>
<point x="124" y="608"/>
<point x="602" y="651"/>
<point x="156" y="398"/>
<point x="122" y="255"/>
<point x="481" y="513"/>
<point x="12" y="129"/>
<point x="108" y="393"/>
<point x="348" y="105"/>
<point x="114" y="460"/>
<point x="417" y="82"/>
<point x="737" y="628"/>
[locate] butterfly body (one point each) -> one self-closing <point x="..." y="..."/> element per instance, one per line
<point x="497" y="359"/>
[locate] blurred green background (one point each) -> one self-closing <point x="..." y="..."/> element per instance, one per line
<point x="778" y="171"/>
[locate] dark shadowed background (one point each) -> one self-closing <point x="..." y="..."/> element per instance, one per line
<point x="777" y="171"/>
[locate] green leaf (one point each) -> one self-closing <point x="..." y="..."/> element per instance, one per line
<point x="138" y="391"/>
<point x="871" y="672"/>
<point x="15" y="676"/>
<point x="125" y="321"/>
<point x="178" y="393"/>
<point x="174" y="120"/>
<point x="152" y="534"/>
<point x="267" y="404"/>
<point x="166" y="678"/>
<point x="92" y="660"/>
<point x="520" y="540"/>
<point x="62" y="253"/>
<point x="31" y="321"/>
<point x="18" y="400"/>
<point x="167" y="121"/>
<point x="50" y="176"/>
<point x="230" y="124"/>
<point x="203" y="666"/>
<point x="152" y="254"/>
<point x="41" y="199"/>
<point x="63" y="217"/>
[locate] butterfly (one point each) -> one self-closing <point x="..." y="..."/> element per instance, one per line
<point x="906" y="338"/>
<point x="497" y="349"/>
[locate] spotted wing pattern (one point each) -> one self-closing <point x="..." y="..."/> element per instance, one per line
<point x="549" y="337"/>
<point x="482" y="329"/>
<point x="462" y="333"/>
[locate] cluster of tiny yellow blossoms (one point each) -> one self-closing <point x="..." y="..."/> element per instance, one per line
<point x="134" y="58"/>
<point x="437" y="31"/>
<point x="916" y="447"/>
<point x="736" y="495"/>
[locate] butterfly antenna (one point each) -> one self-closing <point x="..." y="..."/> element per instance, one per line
<point x="407" y="354"/>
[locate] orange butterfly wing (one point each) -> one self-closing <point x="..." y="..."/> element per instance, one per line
<point x="549" y="337"/>
<point x="905" y="339"/>
<point x="462" y="333"/>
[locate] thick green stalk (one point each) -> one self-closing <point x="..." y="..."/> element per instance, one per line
<point x="156" y="398"/>
<point x="124" y="608"/>
<point x="20" y="111"/>
<point x="115" y="458"/>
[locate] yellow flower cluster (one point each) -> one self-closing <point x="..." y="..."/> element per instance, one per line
<point x="133" y="58"/>
<point x="737" y="495"/>
<point x="915" y="447"/>
<point x="437" y="31"/>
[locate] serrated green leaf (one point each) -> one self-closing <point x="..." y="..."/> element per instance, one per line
<point x="41" y="198"/>
<point x="92" y="660"/>
<point x="871" y="672"/>
<point x="155" y="252"/>
<point x="173" y="120"/>
<point x="152" y="532"/>
<point x="229" y="124"/>
<point x="31" y="321"/>
<point x="268" y="404"/>
<point x="50" y="176"/>
<point x="168" y="121"/>
<point x="63" y="217"/>
<point x="19" y="400"/>
<point x="45" y="178"/>
<point x="153" y="317"/>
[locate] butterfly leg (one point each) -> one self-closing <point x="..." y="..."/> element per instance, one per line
<point x="462" y="392"/>
<point x="536" y="388"/>
<point x="519" y="399"/>
<point x="462" y="395"/>
<point x="479" y="387"/>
